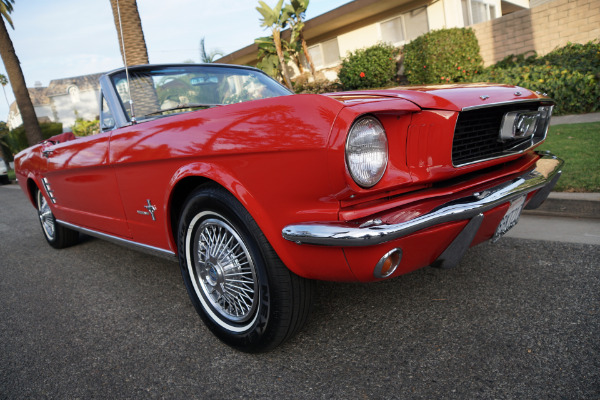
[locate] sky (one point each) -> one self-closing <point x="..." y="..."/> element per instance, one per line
<point x="67" y="38"/>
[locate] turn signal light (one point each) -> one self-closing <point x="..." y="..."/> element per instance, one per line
<point x="388" y="263"/>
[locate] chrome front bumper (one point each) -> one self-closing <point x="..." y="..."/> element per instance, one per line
<point x="543" y="178"/>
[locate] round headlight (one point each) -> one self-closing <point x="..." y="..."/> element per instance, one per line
<point x="367" y="152"/>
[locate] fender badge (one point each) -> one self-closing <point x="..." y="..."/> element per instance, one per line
<point x="484" y="97"/>
<point x="151" y="209"/>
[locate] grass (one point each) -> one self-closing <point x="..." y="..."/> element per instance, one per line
<point x="11" y="175"/>
<point x="579" y="146"/>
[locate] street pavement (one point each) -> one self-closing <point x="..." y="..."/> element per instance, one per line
<point x="518" y="319"/>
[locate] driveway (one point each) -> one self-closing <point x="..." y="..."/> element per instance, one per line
<point x="518" y="319"/>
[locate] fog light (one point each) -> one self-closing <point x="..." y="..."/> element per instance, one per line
<point x="388" y="264"/>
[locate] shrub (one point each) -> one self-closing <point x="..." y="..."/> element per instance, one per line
<point x="83" y="127"/>
<point x="317" y="87"/>
<point x="443" y="56"/>
<point x="570" y="75"/>
<point x="16" y="140"/>
<point x="371" y="67"/>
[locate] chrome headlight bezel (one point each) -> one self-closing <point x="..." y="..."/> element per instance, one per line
<point x="366" y="151"/>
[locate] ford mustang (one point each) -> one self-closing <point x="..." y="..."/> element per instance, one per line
<point x="259" y="192"/>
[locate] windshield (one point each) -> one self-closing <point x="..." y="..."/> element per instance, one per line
<point x="169" y="89"/>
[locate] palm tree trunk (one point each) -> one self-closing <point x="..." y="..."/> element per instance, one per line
<point x="136" y="51"/>
<point x="307" y="56"/>
<point x="277" y="41"/>
<point x="17" y="82"/>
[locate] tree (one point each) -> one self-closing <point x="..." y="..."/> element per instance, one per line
<point x="15" y="75"/>
<point x="296" y="12"/>
<point x="268" y="58"/>
<point x="134" y="52"/>
<point x="132" y="43"/>
<point x="206" y="57"/>
<point x="276" y="19"/>
<point x="4" y="82"/>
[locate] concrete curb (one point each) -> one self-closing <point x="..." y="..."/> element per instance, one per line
<point x="573" y="205"/>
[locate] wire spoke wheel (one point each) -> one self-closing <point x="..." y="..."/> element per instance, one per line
<point x="224" y="271"/>
<point x="46" y="217"/>
<point x="240" y="288"/>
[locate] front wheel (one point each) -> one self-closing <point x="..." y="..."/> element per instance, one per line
<point x="238" y="285"/>
<point x="56" y="235"/>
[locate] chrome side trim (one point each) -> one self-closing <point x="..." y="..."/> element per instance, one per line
<point x="49" y="190"/>
<point x="156" y="251"/>
<point x="548" y="167"/>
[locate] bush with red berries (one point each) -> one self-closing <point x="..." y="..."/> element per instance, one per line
<point x="372" y="67"/>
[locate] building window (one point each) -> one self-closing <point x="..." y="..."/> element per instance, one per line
<point x="476" y="11"/>
<point x="325" y="54"/>
<point x="74" y="94"/>
<point x="405" y="27"/>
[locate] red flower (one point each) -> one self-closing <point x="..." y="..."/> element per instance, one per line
<point x="362" y="74"/>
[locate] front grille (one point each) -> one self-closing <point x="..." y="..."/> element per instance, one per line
<point x="476" y="134"/>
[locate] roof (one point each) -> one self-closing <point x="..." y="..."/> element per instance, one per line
<point x="59" y="87"/>
<point x="347" y="16"/>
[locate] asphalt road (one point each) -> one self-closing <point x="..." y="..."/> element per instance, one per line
<point x="519" y="319"/>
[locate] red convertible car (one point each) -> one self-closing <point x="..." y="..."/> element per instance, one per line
<point x="259" y="192"/>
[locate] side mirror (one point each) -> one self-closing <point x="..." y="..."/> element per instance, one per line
<point x="107" y="123"/>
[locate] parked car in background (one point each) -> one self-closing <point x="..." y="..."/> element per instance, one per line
<point x="259" y="192"/>
<point x="3" y="173"/>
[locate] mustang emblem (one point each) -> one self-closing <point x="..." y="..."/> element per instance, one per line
<point x="151" y="209"/>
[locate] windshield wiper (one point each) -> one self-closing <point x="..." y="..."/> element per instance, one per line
<point x="182" y="107"/>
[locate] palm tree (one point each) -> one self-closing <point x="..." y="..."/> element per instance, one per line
<point x="134" y="52"/>
<point x="15" y="75"/>
<point x="206" y="57"/>
<point x="296" y="12"/>
<point x="132" y="39"/>
<point x="276" y="19"/>
<point x="4" y="82"/>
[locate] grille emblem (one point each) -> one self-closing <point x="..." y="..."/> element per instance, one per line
<point x="518" y="125"/>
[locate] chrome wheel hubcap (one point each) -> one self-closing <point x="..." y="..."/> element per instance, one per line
<point x="224" y="271"/>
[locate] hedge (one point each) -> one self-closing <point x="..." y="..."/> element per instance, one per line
<point x="372" y="67"/>
<point x="570" y="75"/>
<point x="443" y="56"/>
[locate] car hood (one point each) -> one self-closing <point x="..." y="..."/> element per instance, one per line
<point x="442" y="97"/>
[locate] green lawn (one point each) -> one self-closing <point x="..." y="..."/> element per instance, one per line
<point x="579" y="146"/>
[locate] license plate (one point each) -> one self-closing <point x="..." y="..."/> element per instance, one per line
<point x="510" y="219"/>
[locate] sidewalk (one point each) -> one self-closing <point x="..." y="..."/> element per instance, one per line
<point x="575" y="119"/>
<point x="575" y="205"/>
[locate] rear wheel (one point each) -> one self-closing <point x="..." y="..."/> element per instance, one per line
<point x="238" y="285"/>
<point x="57" y="235"/>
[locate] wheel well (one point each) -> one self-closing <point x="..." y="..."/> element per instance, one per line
<point x="181" y="191"/>
<point x="32" y="189"/>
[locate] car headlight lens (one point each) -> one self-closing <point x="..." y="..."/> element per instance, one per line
<point x="367" y="151"/>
